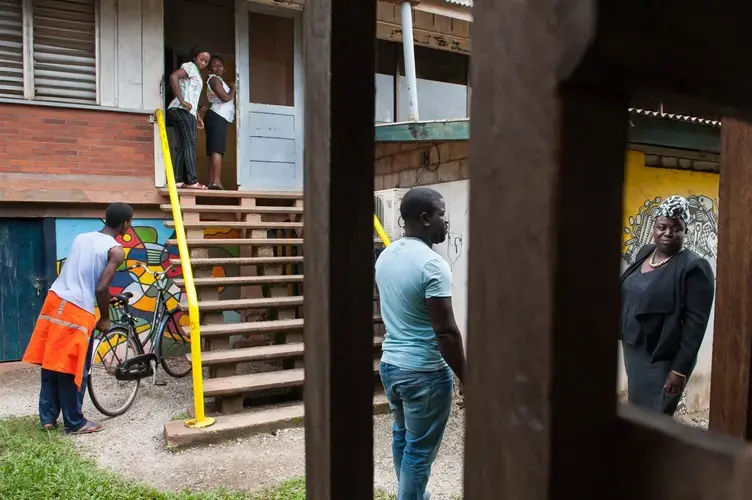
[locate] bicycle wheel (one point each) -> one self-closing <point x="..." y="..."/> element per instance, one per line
<point x="174" y="348"/>
<point x="110" y="396"/>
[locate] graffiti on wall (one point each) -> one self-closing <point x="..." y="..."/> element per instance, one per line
<point x="644" y="190"/>
<point x="702" y="227"/>
<point x="145" y="242"/>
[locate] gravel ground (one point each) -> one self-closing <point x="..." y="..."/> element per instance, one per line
<point x="133" y="444"/>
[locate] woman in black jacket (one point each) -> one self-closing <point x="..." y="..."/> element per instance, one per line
<point x="666" y="295"/>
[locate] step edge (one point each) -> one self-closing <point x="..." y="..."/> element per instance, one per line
<point x="234" y="426"/>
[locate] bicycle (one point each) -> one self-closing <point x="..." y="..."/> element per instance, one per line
<point x="119" y="360"/>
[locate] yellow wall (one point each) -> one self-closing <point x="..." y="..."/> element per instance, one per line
<point x="645" y="188"/>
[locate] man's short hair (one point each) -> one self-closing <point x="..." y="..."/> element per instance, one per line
<point x="216" y="58"/>
<point x="117" y="213"/>
<point x="417" y="201"/>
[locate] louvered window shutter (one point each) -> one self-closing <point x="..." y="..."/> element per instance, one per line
<point x="65" y="50"/>
<point x="11" y="49"/>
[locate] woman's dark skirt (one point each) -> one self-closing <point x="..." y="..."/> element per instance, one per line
<point x="216" y="133"/>
<point x="646" y="380"/>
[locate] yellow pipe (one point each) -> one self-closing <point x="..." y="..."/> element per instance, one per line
<point x="380" y="231"/>
<point x="201" y="419"/>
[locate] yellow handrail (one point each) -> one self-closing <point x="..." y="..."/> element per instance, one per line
<point x="201" y="419"/>
<point x="380" y="231"/>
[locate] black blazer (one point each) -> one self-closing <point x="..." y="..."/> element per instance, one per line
<point x="674" y="310"/>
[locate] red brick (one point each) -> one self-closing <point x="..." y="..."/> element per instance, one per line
<point x="38" y="139"/>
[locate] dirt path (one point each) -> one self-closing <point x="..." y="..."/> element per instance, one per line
<point x="133" y="445"/>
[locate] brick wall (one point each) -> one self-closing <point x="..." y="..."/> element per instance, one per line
<point x="399" y="165"/>
<point x="50" y="140"/>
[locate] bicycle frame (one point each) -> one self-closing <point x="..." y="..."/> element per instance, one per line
<point x="160" y="317"/>
<point x="159" y="324"/>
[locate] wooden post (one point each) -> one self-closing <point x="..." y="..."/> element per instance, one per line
<point x="730" y="402"/>
<point x="339" y="38"/>
<point x="543" y="288"/>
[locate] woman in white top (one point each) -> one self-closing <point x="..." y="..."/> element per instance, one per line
<point x="222" y="112"/>
<point x="186" y="83"/>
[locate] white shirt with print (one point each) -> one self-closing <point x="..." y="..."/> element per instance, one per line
<point x="224" y="109"/>
<point x="190" y="88"/>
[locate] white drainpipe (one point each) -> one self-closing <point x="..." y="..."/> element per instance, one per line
<point x="409" y="50"/>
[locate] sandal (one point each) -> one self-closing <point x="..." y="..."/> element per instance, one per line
<point x="88" y="428"/>
<point x="215" y="187"/>
<point x="180" y="185"/>
<point x="198" y="185"/>
<point x="50" y="427"/>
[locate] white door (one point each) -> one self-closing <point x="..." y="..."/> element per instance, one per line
<point x="270" y="97"/>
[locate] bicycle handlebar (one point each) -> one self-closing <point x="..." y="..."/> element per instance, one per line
<point x="157" y="274"/>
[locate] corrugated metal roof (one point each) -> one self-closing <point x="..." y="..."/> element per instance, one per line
<point x="673" y="116"/>
<point x="464" y="3"/>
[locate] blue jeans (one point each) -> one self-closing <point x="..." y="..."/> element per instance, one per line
<point x="59" y="393"/>
<point x="420" y="403"/>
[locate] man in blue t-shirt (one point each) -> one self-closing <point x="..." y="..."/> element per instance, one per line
<point x="423" y="344"/>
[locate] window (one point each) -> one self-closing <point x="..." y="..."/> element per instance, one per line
<point x="442" y="79"/>
<point x="442" y="85"/>
<point x="386" y="70"/>
<point x="272" y="59"/>
<point x="48" y="50"/>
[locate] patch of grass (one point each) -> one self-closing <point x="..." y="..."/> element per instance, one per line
<point x="184" y="415"/>
<point x="35" y="464"/>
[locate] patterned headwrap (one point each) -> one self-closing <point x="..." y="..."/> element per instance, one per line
<point x="674" y="207"/>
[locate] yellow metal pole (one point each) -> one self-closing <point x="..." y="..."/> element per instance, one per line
<point x="201" y="419"/>
<point x="380" y="231"/>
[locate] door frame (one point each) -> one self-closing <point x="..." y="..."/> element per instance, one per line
<point x="242" y="78"/>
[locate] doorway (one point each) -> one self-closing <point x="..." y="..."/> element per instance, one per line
<point x="24" y="280"/>
<point x="208" y="24"/>
<point x="270" y="102"/>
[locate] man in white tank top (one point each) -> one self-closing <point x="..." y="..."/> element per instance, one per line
<point x="61" y="341"/>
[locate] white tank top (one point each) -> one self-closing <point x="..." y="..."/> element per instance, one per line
<point x="83" y="269"/>
<point x="224" y="109"/>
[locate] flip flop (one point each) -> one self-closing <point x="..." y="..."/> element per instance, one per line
<point x="88" y="428"/>
<point x="50" y="427"/>
<point x="180" y="185"/>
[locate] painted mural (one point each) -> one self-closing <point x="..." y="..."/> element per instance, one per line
<point x="646" y="188"/>
<point x="145" y="242"/>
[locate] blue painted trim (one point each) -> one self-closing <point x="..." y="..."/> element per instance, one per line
<point x="674" y="134"/>
<point x="646" y="130"/>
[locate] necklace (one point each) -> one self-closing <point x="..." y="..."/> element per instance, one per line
<point x="655" y="265"/>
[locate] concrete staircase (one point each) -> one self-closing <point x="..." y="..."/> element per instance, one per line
<point x="247" y="257"/>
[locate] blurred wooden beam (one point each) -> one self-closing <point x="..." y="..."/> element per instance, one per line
<point x="541" y="392"/>
<point x="653" y="446"/>
<point x="339" y="40"/>
<point x="730" y="400"/>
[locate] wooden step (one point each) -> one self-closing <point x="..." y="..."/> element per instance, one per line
<point x="262" y="195"/>
<point x="242" y="304"/>
<point x="240" y="384"/>
<point x="253" y="327"/>
<point x="235" y="209"/>
<point x="251" y="421"/>
<point x="236" y="225"/>
<point x="244" y="280"/>
<point x="233" y="242"/>
<point x="248" y="328"/>
<point x="261" y="353"/>
<point x="241" y="261"/>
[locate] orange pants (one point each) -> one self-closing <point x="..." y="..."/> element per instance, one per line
<point x="61" y="338"/>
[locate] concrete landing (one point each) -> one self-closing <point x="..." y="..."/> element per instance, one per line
<point x="252" y="421"/>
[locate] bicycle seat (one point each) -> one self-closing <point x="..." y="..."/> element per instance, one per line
<point x="123" y="298"/>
